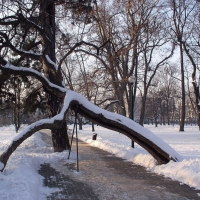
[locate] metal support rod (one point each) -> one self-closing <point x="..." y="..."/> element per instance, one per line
<point x="132" y="113"/>
<point x="75" y="127"/>
<point x="72" y="138"/>
<point x="132" y="101"/>
<point x="77" y="147"/>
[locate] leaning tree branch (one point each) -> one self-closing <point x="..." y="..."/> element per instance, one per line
<point x="9" y="68"/>
<point x="162" y="152"/>
<point x="52" y="123"/>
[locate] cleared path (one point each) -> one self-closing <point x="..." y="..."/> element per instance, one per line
<point x="103" y="176"/>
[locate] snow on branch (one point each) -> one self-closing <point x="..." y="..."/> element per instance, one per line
<point x="51" y="62"/>
<point x="161" y="151"/>
<point x="54" y="122"/>
<point x="55" y="89"/>
<point x="6" y="43"/>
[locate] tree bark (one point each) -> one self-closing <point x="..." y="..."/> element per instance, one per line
<point x="101" y="117"/>
<point x="182" y="122"/>
<point x="141" y="122"/>
<point x="194" y="82"/>
<point x="47" y="17"/>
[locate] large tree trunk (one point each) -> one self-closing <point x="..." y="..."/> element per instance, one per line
<point x="194" y="82"/>
<point x="47" y="16"/>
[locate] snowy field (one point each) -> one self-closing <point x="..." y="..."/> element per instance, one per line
<point x="20" y="179"/>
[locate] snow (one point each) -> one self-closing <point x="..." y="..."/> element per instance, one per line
<point x="37" y="75"/>
<point x="51" y="62"/>
<point x="28" y="52"/>
<point x="186" y="143"/>
<point x="20" y="179"/>
<point x="71" y="96"/>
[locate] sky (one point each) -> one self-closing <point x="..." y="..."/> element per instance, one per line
<point x="20" y="179"/>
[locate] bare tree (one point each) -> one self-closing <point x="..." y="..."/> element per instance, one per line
<point x="36" y="21"/>
<point x="182" y="14"/>
<point x="155" y="51"/>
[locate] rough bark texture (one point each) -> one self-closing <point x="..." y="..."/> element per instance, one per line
<point x="194" y="81"/>
<point x="47" y="16"/>
<point x="141" y="122"/>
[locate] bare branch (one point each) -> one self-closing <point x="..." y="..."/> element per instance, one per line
<point x="8" y="44"/>
<point x="79" y="44"/>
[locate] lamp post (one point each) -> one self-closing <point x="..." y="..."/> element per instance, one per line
<point x="131" y="80"/>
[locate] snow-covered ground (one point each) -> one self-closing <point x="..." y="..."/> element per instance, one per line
<point x="187" y="144"/>
<point x="20" y="179"/>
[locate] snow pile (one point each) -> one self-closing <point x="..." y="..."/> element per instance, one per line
<point x="20" y="179"/>
<point x="185" y="143"/>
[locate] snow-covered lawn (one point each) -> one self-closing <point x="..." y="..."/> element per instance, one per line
<point x="20" y="179"/>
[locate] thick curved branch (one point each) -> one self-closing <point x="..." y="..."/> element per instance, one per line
<point x="9" y="68"/>
<point x="162" y="152"/>
<point x="55" y="122"/>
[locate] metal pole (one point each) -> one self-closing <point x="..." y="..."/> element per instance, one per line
<point x="75" y="126"/>
<point x="72" y="137"/>
<point x="132" y="113"/>
<point x="77" y="146"/>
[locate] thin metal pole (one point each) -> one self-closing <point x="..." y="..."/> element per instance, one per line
<point x="72" y="138"/>
<point x="131" y="100"/>
<point x="132" y="112"/>
<point x="77" y="146"/>
<point x="75" y="126"/>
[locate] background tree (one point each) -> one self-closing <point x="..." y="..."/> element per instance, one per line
<point x="36" y="19"/>
<point x="182" y="16"/>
